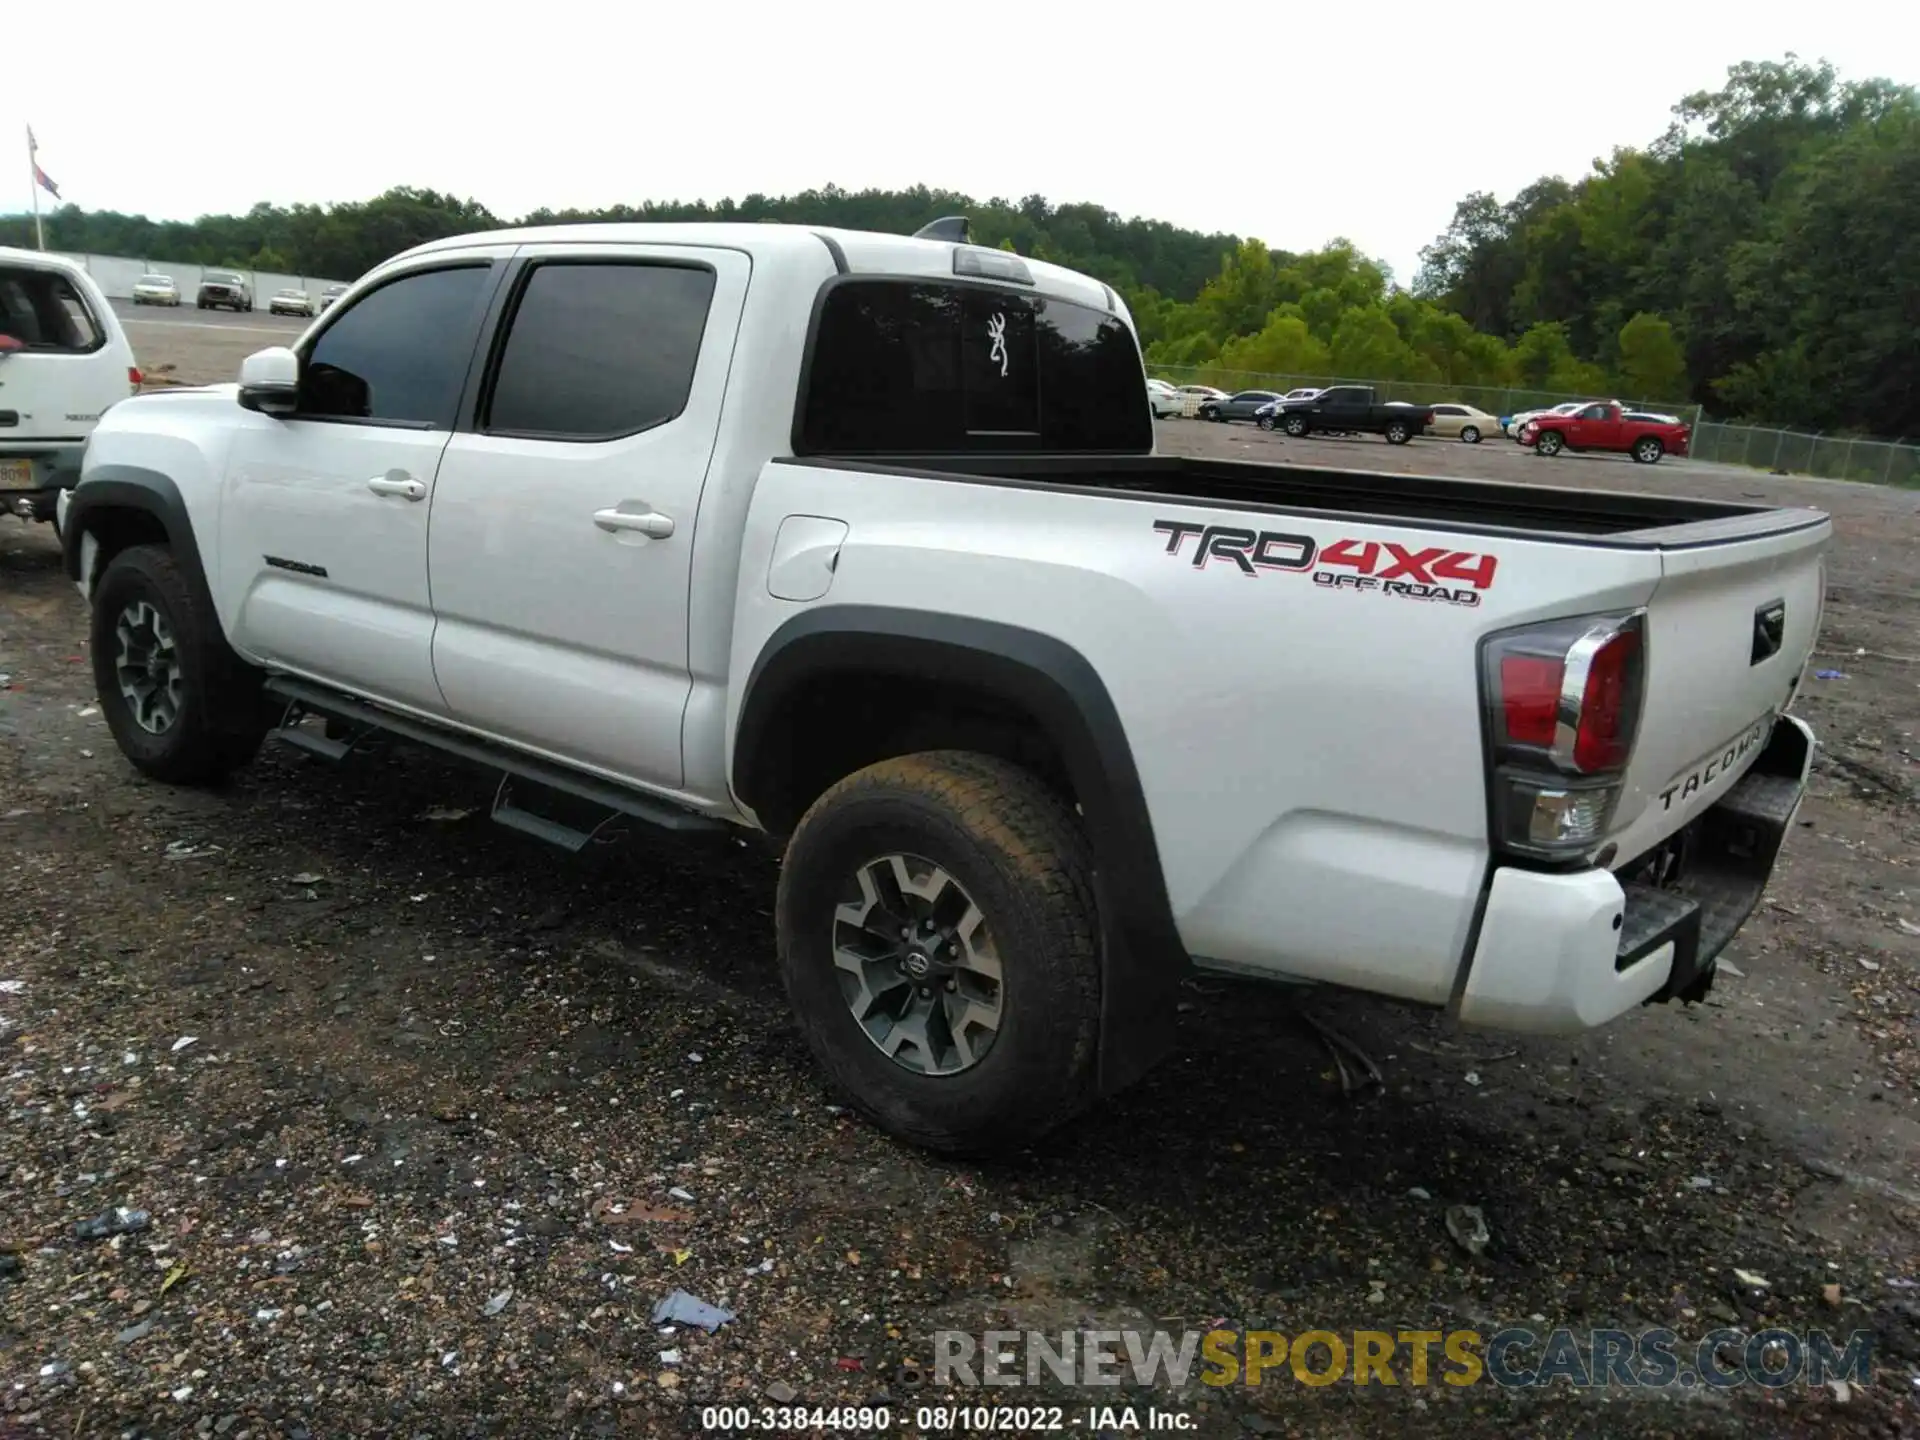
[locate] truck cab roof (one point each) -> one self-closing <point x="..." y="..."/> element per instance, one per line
<point x="855" y="252"/>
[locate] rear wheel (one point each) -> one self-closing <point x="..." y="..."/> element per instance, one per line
<point x="182" y="707"/>
<point x="1550" y="443"/>
<point x="1648" y="450"/>
<point x="1295" y="425"/>
<point x="937" y="937"/>
<point x="1399" y="432"/>
<point x="1471" y="434"/>
<point x="1265" y="422"/>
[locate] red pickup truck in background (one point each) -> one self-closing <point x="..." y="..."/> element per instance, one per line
<point x="1604" y="426"/>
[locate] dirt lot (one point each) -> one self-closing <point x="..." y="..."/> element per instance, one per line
<point x="399" y="1091"/>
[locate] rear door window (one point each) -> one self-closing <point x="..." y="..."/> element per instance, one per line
<point x="599" y="350"/>
<point x="904" y="366"/>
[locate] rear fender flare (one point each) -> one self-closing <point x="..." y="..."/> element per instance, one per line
<point x="1142" y="956"/>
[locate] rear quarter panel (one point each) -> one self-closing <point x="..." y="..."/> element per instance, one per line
<point x="1310" y="748"/>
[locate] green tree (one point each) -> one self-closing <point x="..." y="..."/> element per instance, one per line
<point x="1283" y="346"/>
<point x="1652" y="364"/>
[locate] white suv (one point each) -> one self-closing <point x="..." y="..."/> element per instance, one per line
<point x="63" y="360"/>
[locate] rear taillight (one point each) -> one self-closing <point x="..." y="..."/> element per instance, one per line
<point x="1563" y="705"/>
<point x="134" y="377"/>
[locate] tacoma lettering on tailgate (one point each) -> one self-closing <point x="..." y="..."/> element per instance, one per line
<point x="1686" y="786"/>
<point x="1434" y="572"/>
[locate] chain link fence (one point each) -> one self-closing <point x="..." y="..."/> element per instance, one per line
<point x="1827" y="457"/>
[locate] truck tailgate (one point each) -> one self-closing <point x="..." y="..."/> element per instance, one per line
<point x="1729" y="630"/>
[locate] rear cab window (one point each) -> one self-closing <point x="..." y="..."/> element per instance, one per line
<point x="899" y="366"/>
<point x="45" y="311"/>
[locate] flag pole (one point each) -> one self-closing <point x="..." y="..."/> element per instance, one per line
<point x="33" y="184"/>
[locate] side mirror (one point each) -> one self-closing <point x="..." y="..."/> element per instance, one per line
<point x="270" y="381"/>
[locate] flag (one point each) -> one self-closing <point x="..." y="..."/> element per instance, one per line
<point x="40" y="177"/>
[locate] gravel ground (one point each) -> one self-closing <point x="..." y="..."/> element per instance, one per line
<point x="424" y="1118"/>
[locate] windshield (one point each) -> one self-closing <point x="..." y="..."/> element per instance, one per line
<point x="156" y="279"/>
<point x="222" y="277"/>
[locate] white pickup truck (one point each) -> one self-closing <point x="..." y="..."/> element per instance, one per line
<point x="861" y="541"/>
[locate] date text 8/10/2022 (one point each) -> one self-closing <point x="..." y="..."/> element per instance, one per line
<point x="932" y="1420"/>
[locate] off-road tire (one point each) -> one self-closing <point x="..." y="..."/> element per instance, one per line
<point x="1020" y="855"/>
<point x="222" y="717"/>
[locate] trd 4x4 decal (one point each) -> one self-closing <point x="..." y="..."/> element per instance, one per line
<point x="1410" y="572"/>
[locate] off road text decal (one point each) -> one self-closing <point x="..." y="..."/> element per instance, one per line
<point x="1433" y="572"/>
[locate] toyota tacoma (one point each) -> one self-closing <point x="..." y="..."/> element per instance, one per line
<point x="860" y="541"/>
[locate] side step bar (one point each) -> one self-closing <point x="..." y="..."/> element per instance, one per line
<point x="304" y="698"/>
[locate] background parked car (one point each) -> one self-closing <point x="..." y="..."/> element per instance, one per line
<point x="290" y="302"/>
<point x="1353" y="410"/>
<point x="331" y="294"/>
<point x="63" y="361"/>
<point x="1165" y="399"/>
<point x="1462" y="422"/>
<point x="1240" y="406"/>
<point x="156" y="290"/>
<point x="1268" y="415"/>
<point x="224" y="290"/>
<point x="1511" y="424"/>
<point x="1605" y="426"/>
<point x="1202" y="392"/>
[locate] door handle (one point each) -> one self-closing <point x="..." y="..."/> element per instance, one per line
<point x="650" y="523"/>
<point x="397" y="483"/>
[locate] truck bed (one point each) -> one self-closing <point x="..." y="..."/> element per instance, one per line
<point x="1591" y="517"/>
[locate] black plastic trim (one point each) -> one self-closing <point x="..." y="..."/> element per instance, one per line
<point x="1142" y="956"/>
<point x="834" y="248"/>
<point x="1723" y="524"/>
<point x="133" y="487"/>
<point x="324" y="700"/>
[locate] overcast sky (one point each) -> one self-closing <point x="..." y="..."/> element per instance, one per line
<point x="1293" y="122"/>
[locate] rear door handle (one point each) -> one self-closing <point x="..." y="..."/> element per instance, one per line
<point x="650" y="523"/>
<point x="395" y="482"/>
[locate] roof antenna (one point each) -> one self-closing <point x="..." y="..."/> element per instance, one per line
<point x="948" y="227"/>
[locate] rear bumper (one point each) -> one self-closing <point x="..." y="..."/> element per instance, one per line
<point x="1560" y="953"/>
<point x="56" y="468"/>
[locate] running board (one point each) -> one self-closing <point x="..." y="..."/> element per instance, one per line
<point x="303" y="697"/>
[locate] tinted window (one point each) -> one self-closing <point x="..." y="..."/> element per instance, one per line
<point x="397" y="353"/>
<point x="599" y="350"/>
<point x="43" y="311"/>
<point x="903" y="366"/>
